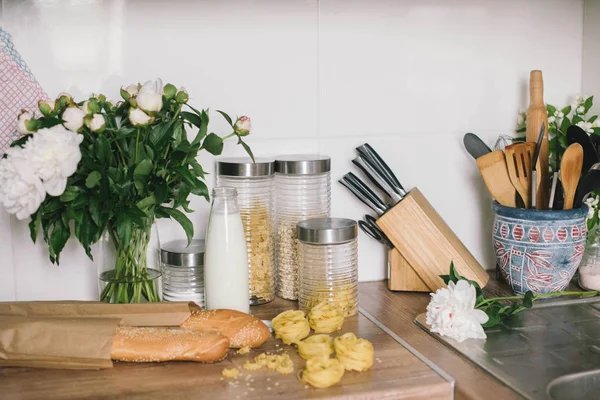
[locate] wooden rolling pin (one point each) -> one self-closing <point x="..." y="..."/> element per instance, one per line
<point x="536" y="115"/>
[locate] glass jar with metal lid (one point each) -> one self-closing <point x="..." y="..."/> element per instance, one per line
<point x="328" y="254"/>
<point x="302" y="191"/>
<point x="182" y="269"/>
<point x="254" y="182"/>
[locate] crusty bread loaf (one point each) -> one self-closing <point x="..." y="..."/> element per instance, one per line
<point x="138" y="344"/>
<point x="241" y="329"/>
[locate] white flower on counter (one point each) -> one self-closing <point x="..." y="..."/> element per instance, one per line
<point x="132" y="89"/>
<point x="139" y="118"/>
<point x="22" y="120"/>
<point x="451" y="312"/>
<point x="73" y="117"/>
<point x="54" y="154"/>
<point x="21" y="191"/>
<point x="96" y="123"/>
<point x="586" y="126"/>
<point x="149" y="97"/>
<point x="243" y="125"/>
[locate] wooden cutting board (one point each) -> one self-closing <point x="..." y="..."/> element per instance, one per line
<point x="396" y="374"/>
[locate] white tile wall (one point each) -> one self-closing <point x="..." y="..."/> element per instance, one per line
<point x="410" y="77"/>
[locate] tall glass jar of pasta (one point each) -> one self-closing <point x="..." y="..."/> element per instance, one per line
<point x="302" y="191"/>
<point x="255" y="185"/>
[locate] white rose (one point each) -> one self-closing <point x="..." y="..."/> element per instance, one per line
<point x="132" y="89"/>
<point x="96" y="123"/>
<point x="21" y="191"/>
<point x="73" y="117"/>
<point x="138" y="118"/>
<point x="451" y="312"/>
<point x="150" y="96"/>
<point x="22" y="120"/>
<point x="54" y="154"/>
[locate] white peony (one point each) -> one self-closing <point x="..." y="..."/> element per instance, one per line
<point x="150" y="96"/>
<point x="138" y="118"/>
<point x="21" y="191"/>
<point x="96" y="123"/>
<point x="85" y="107"/>
<point x="451" y="312"/>
<point x="54" y="154"/>
<point x="73" y="117"/>
<point x="22" y="120"/>
<point x="132" y="89"/>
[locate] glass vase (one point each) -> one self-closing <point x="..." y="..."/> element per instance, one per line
<point x="130" y="273"/>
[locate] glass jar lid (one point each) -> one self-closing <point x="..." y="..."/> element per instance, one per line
<point x="326" y="230"/>
<point x="244" y="167"/>
<point x="302" y="164"/>
<point x="179" y="254"/>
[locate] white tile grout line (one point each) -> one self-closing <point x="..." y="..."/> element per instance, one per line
<point x="408" y="347"/>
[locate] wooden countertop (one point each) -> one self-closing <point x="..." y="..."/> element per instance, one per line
<point x="396" y="374"/>
<point x="397" y="311"/>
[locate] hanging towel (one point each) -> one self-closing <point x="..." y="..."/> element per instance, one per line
<point x="18" y="89"/>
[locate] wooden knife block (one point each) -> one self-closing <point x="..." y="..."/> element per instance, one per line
<point x="402" y="276"/>
<point x="426" y="243"/>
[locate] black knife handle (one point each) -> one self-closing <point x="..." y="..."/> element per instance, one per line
<point x="360" y="196"/>
<point x="368" y="152"/>
<point x="356" y="181"/>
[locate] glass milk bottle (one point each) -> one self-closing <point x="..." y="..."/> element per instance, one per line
<point x="225" y="258"/>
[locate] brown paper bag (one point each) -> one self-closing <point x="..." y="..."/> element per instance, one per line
<point x="146" y="314"/>
<point x="49" y="342"/>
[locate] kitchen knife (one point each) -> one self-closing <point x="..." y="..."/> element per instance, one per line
<point x="376" y="177"/>
<point x="475" y="146"/>
<point x="368" y="152"/>
<point x="534" y="160"/>
<point x="365" y="189"/>
<point x="378" y="207"/>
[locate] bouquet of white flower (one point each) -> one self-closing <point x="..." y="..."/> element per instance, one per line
<point x="99" y="166"/>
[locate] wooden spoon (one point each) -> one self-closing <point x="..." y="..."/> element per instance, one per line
<point x="495" y="175"/>
<point x="518" y="160"/>
<point x="570" y="172"/>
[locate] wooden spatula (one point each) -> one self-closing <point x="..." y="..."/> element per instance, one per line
<point x="518" y="162"/>
<point x="495" y="175"/>
<point x="570" y="172"/>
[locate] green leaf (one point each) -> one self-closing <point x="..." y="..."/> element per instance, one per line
<point x="94" y="209"/>
<point x="124" y="230"/>
<point x="86" y="232"/>
<point x="193" y="118"/>
<point x="34" y="224"/>
<point x="551" y="109"/>
<point x="70" y="193"/>
<point x="227" y="117"/>
<point x="149" y="152"/>
<point x="146" y="202"/>
<point x="528" y="299"/>
<point x="161" y="193"/>
<point x="182" y="219"/>
<point x="565" y="124"/>
<point x="197" y="168"/>
<point x="576" y="119"/>
<point x="566" y="110"/>
<point x="589" y="102"/>
<point x="143" y="168"/>
<point x="213" y="144"/>
<point x="247" y="148"/>
<point x="593" y="118"/>
<point x="178" y="133"/>
<point x="159" y="133"/>
<point x="102" y="149"/>
<point x="58" y="238"/>
<point x="93" y="179"/>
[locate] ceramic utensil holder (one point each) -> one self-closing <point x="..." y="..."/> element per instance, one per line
<point x="427" y="243"/>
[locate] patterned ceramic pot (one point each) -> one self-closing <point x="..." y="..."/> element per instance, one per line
<point x="538" y="250"/>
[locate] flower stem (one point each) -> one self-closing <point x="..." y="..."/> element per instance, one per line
<point x="137" y="141"/>
<point x="538" y="296"/>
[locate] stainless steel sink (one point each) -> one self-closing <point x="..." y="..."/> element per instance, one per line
<point x="550" y="352"/>
<point x="580" y="386"/>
